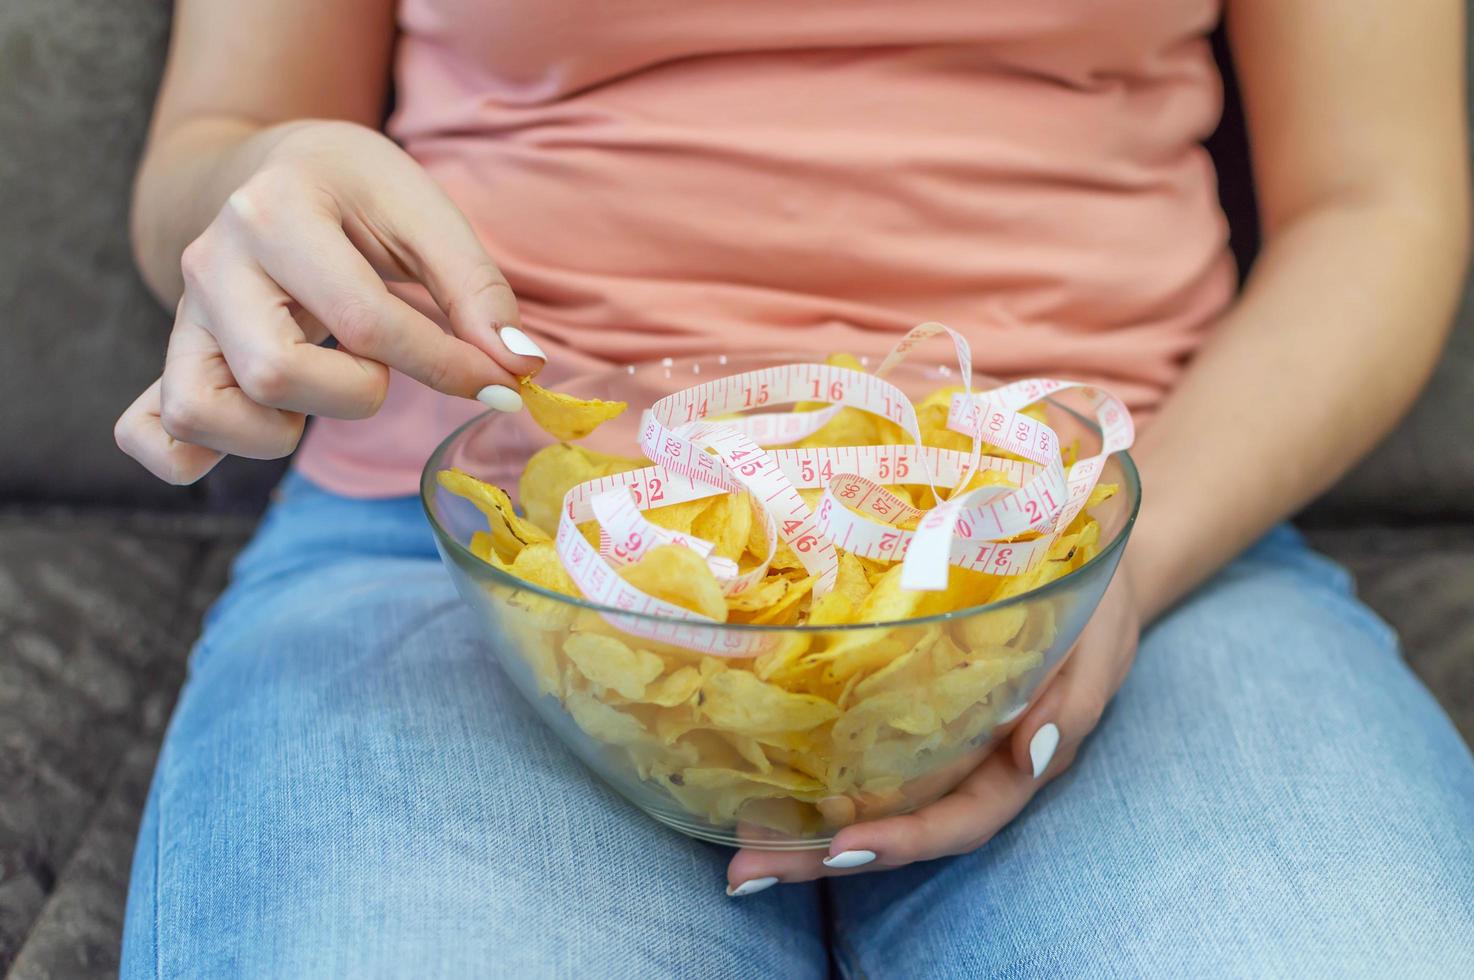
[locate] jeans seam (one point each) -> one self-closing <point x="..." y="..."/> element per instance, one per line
<point x="846" y="958"/>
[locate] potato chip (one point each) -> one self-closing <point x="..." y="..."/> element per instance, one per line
<point x="873" y="569"/>
<point x="537" y="647"/>
<point x="960" y="688"/>
<point x="787" y="649"/>
<point x="984" y="478"/>
<point x="542" y="659"/>
<point x="679" y="576"/>
<point x="965" y="588"/>
<point x="673" y="689"/>
<point x="831" y="609"/>
<point x="675" y="723"/>
<point x="902" y="711"/>
<point x="1101" y="493"/>
<point x="554" y="470"/>
<point x="768" y="592"/>
<point x="886" y="603"/>
<point x="603" y="722"/>
<point x="786" y="779"/>
<point x="736" y="700"/>
<point x="900" y="758"/>
<point x="991" y="629"/>
<point x="849" y="427"/>
<point x="611" y="665"/>
<point x="1039" y="628"/>
<point x="946" y="654"/>
<point x="726" y="523"/>
<point x="680" y="517"/>
<point x="509" y="532"/>
<point x="852" y="580"/>
<point x="785" y="611"/>
<point x="483" y="548"/>
<point x="750" y="749"/>
<point x="563" y="416"/>
<point x="721" y="804"/>
<point x="1038" y="577"/>
<point x="539" y="564"/>
<point x="904" y="669"/>
<point x="870" y="650"/>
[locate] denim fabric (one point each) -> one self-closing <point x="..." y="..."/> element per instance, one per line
<point x="350" y="788"/>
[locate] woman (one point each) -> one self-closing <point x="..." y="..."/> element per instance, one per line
<point x="349" y="788"/>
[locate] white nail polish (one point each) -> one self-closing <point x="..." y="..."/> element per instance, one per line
<point x="499" y="398"/>
<point x="751" y="887"/>
<point x="849" y="859"/>
<point x="519" y="343"/>
<point x="1042" y="746"/>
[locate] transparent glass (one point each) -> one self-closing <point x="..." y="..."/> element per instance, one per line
<point x="872" y="768"/>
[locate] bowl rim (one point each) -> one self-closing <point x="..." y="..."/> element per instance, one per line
<point x="429" y="485"/>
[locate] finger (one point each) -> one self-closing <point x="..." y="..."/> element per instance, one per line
<point x="314" y="263"/>
<point x="139" y="432"/>
<point x="750" y="867"/>
<point x="964" y="819"/>
<point x="272" y="358"/>
<point x="991" y="795"/>
<point x="200" y="403"/>
<point x="441" y="250"/>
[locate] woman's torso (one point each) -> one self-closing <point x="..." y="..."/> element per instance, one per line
<point x="665" y="177"/>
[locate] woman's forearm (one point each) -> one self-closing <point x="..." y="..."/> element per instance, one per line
<point x="1338" y="328"/>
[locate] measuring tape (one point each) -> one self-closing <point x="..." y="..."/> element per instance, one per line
<point x="697" y="454"/>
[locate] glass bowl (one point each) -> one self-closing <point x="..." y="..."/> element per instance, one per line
<point x="770" y="789"/>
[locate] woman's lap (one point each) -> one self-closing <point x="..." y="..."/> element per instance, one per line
<point x="350" y="787"/>
<point x="1272" y="793"/>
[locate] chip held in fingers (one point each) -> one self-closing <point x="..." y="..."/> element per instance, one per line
<point x="777" y="623"/>
<point x="563" y="416"/>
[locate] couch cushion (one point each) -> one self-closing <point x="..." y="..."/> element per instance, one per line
<point x="82" y="335"/>
<point x="96" y="615"/>
<point x="1421" y="580"/>
<point x="1425" y="469"/>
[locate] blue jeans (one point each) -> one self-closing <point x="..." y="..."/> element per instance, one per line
<point x="350" y="788"/>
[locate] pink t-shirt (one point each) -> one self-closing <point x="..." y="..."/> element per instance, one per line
<point x="669" y="177"/>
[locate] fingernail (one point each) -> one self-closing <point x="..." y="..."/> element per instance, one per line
<point x="519" y="343"/>
<point x="751" y="887"/>
<point x="849" y="859"/>
<point x="499" y="398"/>
<point x="1042" y="746"/>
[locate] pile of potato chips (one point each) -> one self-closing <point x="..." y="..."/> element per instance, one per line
<point x="837" y="721"/>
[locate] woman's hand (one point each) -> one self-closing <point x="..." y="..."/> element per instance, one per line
<point x="1040" y="747"/>
<point x="300" y="252"/>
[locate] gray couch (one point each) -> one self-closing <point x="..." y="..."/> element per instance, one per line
<point x="104" y="573"/>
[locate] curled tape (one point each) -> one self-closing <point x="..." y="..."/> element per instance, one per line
<point x="695" y="457"/>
